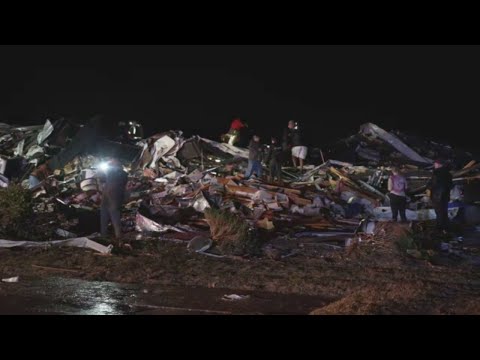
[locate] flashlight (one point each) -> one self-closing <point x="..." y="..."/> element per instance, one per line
<point x="104" y="166"/>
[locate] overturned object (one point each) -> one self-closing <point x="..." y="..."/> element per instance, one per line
<point x="200" y="244"/>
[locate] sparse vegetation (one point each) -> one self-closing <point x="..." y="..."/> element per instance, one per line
<point x="16" y="210"/>
<point x="232" y="233"/>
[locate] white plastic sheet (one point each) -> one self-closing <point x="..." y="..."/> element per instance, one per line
<point x="34" y="149"/>
<point x="19" y="149"/>
<point x="143" y="224"/>
<point x="45" y="133"/>
<point x="4" y="182"/>
<point x="161" y="147"/>
<point x="65" y="234"/>
<point x="200" y="203"/>
<point x="82" y="242"/>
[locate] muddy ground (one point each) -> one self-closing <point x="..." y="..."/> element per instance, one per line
<point x="372" y="277"/>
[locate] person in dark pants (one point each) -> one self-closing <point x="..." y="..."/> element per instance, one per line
<point x="113" y="196"/>
<point x="274" y="161"/>
<point x="397" y="186"/>
<point x="292" y="141"/>
<point x="254" y="158"/>
<point x="439" y="187"/>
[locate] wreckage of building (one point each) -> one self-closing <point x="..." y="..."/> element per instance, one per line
<point x="173" y="180"/>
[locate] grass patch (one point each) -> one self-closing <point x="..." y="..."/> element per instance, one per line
<point x="232" y="233"/>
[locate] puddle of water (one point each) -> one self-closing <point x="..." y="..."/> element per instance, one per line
<point x="80" y="297"/>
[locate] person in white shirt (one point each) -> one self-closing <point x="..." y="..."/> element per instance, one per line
<point x="397" y="186"/>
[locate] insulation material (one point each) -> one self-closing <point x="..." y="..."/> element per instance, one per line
<point x="45" y="133"/>
<point x="34" y="150"/>
<point x="82" y="242"/>
<point x="161" y="147"/>
<point x="200" y="203"/>
<point x="143" y="224"/>
<point x="19" y="149"/>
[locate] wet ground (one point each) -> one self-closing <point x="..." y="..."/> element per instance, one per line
<point x="63" y="296"/>
<point x="160" y="277"/>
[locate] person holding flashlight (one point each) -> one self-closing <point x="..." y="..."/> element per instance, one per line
<point x="114" y="180"/>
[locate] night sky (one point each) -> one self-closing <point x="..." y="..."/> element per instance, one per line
<point x="330" y="90"/>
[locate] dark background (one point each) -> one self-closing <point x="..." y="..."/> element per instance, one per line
<point x="331" y="90"/>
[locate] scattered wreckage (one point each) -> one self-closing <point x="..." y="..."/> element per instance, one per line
<point x="174" y="181"/>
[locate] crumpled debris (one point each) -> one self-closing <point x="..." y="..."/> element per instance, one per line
<point x="235" y="297"/>
<point x="178" y="179"/>
<point x="77" y="242"/>
<point x="65" y="234"/>
<point x="11" y="280"/>
<point x="143" y="224"/>
<point x="200" y="244"/>
<point x="265" y="224"/>
<point x="45" y="133"/>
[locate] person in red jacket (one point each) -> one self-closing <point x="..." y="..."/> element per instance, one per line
<point x="233" y="134"/>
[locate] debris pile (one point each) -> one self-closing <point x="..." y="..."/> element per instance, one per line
<point x="185" y="188"/>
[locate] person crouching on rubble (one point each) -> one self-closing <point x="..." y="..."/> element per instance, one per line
<point x="113" y="195"/>
<point x="274" y="161"/>
<point x="254" y="158"/>
<point x="439" y="187"/>
<point x="397" y="186"/>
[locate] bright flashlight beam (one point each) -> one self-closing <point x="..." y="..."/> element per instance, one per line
<point x="103" y="166"/>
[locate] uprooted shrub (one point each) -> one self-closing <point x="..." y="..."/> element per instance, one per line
<point x="406" y="242"/>
<point x="16" y="210"/>
<point x="232" y="233"/>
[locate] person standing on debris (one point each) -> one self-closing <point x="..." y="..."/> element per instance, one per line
<point x="292" y="140"/>
<point x="439" y="187"/>
<point x="274" y="161"/>
<point x="113" y="195"/>
<point x="233" y="135"/>
<point x="254" y="158"/>
<point x="397" y="186"/>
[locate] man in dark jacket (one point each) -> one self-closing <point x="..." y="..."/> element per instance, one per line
<point x="113" y="196"/>
<point x="292" y="142"/>
<point x="254" y="158"/>
<point x="439" y="186"/>
<point x="274" y="160"/>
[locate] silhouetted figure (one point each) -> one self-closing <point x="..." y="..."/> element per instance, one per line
<point x="113" y="195"/>
<point x="274" y="160"/>
<point x="439" y="186"/>
<point x="292" y="142"/>
<point x="397" y="186"/>
<point x="254" y="158"/>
